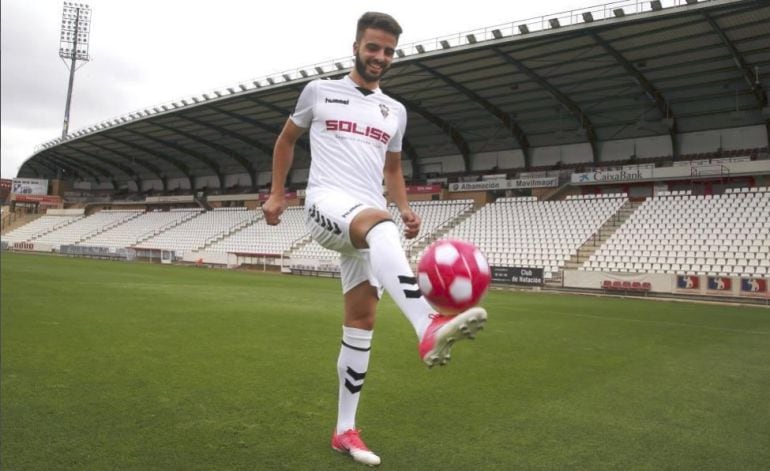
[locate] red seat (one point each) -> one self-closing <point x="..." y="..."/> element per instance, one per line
<point x="607" y="284"/>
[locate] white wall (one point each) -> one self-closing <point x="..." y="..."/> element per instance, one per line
<point x="263" y="178"/>
<point x="299" y="175"/>
<point x="158" y="185"/>
<point x="744" y="138"/>
<point x="566" y="154"/>
<point x="446" y="164"/>
<point x="506" y="159"/>
<point x="210" y="181"/>
<point x="239" y="179"/>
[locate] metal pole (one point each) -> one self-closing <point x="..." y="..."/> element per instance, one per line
<point x="66" y="126"/>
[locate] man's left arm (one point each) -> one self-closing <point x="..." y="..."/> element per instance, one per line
<point x="396" y="188"/>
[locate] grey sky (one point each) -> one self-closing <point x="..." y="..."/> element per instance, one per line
<point x="148" y="52"/>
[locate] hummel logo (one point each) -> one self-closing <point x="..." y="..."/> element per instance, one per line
<point x="410" y="280"/>
<point x="357" y="377"/>
<point x="337" y="100"/>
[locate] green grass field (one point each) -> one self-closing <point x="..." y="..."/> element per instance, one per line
<point x="130" y="366"/>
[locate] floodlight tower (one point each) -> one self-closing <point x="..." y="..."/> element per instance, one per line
<point x="73" y="46"/>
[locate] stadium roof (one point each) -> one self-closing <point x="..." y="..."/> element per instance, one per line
<point x="623" y="71"/>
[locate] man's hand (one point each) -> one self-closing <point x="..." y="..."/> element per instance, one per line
<point x="412" y="222"/>
<point x="273" y="208"/>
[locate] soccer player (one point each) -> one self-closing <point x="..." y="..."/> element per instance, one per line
<point x="355" y="135"/>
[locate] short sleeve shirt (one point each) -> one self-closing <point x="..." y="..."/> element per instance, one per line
<point x="350" y="132"/>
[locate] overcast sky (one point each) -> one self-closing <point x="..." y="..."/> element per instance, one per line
<point x="146" y="52"/>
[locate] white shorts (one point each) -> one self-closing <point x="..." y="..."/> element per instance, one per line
<point x="328" y="218"/>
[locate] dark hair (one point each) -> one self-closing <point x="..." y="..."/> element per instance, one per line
<point x="377" y="20"/>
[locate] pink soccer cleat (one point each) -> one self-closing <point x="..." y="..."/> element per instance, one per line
<point x="350" y="442"/>
<point x="444" y="331"/>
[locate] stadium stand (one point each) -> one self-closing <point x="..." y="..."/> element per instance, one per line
<point x="259" y="238"/>
<point x="87" y="227"/>
<point x="525" y="232"/>
<point x="136" y="230"/>
<point x="198" y="231"/>
<point x="38" y="228"/>
<point x="681" y="233"/>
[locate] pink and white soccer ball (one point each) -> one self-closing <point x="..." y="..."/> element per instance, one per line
<point x="453" y="275"/>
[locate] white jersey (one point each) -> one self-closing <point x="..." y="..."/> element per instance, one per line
<point x="350" y="132"/>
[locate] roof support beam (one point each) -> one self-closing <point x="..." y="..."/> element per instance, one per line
<point x="101" y="172"/>
<point x="565" y="101"/>
<point x="301" y="142"/>
<point x="128" y="171"/>
<point x="267" y="150"/>
<point x="242" y="160"/>
<point x="508" y="122"/>
<point x="663" y="107"/>
<point x="151" y="168"/>
<point x="179" y="165"/>
<point x="446" y="127"/>
<point x="754" y="85"/>
<point x="80" y="171"/>
<point x="38" y="162"/>
<point x="183" y="150"/>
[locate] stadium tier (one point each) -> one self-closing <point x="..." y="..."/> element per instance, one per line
<point x="524" y="232"/>
<point x="259" y="238"/>
<point x="718" y="235"/>
<point x="88" y="227"/>
<point x="196" y="232"/>
<point x="39" y="227"/>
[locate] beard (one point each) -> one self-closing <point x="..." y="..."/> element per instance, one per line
<point x="361" y="69"/>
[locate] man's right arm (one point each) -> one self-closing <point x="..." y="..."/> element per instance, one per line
<point x="283" y="157"/>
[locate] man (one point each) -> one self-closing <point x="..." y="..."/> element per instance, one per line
<point x="356" y="133"/>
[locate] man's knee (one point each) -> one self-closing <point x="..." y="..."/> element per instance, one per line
<point x="362" y="224"/>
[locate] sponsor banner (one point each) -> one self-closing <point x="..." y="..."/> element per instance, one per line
<point x="687" y="281"/>
<point x="754" y="285"/>
<point x="29" y="246"/>
<point x="491" y="185"/>
<point x="611" y="176"/>
<point x="518" y="276"/>
<point x="719" y="283"/>
<point x="42" y="200"/>
<point x="29" y="186"/>
<point x="422" y="189"/>
<point x="598" y="176"/>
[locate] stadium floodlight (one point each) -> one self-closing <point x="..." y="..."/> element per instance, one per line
<point x="303" y="73"/>
<point x="217" y="93"/>
<point x="444" y="44"/>
<point x="231" y="90"/>
<point x="692" y="2"/>
<point x="243" y="87"/>
<point x="588" y="17"/>
<point x="400" y="52"/>
<point x="73" y="46"/>
<point x="270" y="81"/>
<point x="319" y="69"/>
<point x="287" y="77"/>
<point x="523" y="29"/>
<point x="420" y="48"/>
<point x="554" y="22"/>
<point x="471" y="38"/>
<point x="339" y="65"/>
<point x="257" y="84"/>
<point x="619" y="12"/>
<point x="655" y="5"/>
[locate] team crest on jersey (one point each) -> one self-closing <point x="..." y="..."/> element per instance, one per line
<point x="384" y="110"/>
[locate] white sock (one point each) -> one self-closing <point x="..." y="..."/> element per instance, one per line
<point x="351" y="370"/>
<point x="391" y="268"/>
